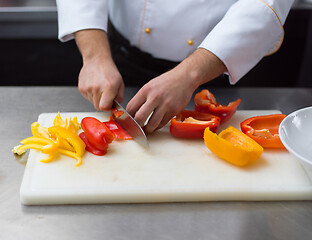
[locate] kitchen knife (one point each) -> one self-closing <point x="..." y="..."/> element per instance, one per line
<point x="127" y="122"/>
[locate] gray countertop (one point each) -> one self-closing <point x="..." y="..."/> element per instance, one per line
<point x="20" y="106"/>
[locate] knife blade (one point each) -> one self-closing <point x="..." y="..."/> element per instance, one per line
<point x="127" y="122"/>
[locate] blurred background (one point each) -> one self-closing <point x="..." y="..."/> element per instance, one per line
<point x="31" y="54"/>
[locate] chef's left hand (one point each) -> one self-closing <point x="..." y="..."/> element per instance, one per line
<point x="168" y="94"/>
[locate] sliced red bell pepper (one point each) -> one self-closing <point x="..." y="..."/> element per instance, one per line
<point x="115" y="114"/>
<point x="192" y="124"/>
<point x="206" y="102"/>
<point x="90" y="148"/>
<point x="97" y="133"/>
<point x="117" y="130"/>
<point x="264" y="129"/>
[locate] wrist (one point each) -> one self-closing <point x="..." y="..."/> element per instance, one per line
<point x="93" y="45"/>
<point x="96" y="58"/>
<point x="202" y="66"/>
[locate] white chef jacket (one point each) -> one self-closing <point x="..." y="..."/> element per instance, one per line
<point x="239" y="32"/>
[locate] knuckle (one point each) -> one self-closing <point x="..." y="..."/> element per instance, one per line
<point x="108" y="85"/>
<point x="96" y="87"/>
<point x="84" y="88"/>
<point x="169" y="104"/>
<point x="145" y="88"/>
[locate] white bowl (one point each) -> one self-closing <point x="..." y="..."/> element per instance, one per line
<point x="295" y="132"/>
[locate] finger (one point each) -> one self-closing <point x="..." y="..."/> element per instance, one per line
<point x="86" y="92"/>
<point x="85" y="95"/>
<point x="89" y="97"/>
<point x="143" y="113"/>
<point x="155" y="120"/>
<point x="165" y="120"/>
<point x="83" y="91"/>
<point x="120" y="94"/>
<point x="91" y="94"/>
<point x="96" y="100"/>
<point x="106" y="101"/>
<point x="136" y="103"/>
<point x="107" y="96"/>
<point x="82" y="86"/>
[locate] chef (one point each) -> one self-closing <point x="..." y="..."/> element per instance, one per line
<point x="172" y="47"/>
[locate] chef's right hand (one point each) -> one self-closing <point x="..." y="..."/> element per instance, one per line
<point x="99" y="80"/>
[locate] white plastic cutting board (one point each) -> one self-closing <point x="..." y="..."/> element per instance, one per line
<point x="173" y="170"/>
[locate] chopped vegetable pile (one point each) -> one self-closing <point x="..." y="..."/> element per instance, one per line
<point x="98" y="135"/>
<point x="61" y="138"/>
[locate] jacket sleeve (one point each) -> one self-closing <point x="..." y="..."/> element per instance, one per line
<point x="249" y="30"/>
<point x="75" y="15"/>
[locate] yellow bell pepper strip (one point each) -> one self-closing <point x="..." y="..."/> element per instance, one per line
<point x="72" y="125"/>
<point x="32" y="142"/>
<point x="54" y="150"/>
<point x="58" y="121"/>
<point x="63" y="142"/>
<point x="62" y="138"/>
<point x="73" y="146"/>
<point x="50" y="158"/>
<point x="21" y="149"/>
<point x="233" y="146"/>
<point x="51" y="150"/>
<point x="72" y="155"/>
<point x="38" y="140"/>
<point x="74" y="140"/>
<point x="39" y="131"/>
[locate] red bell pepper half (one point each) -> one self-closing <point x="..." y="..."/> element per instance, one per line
<point x="264" y="129"/>
<point x="117" y="130"/>
<point x="192" y="124"/>
<point x="97" y="133"/>
<point x="90" y="148"/>
<point x="206" y="102"/>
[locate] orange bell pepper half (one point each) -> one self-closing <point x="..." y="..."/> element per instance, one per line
<point x="264" y="129"/>
<point x="207" y="103"/>
<point x="233" y="146"/>
<point x="192" y="124"/>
